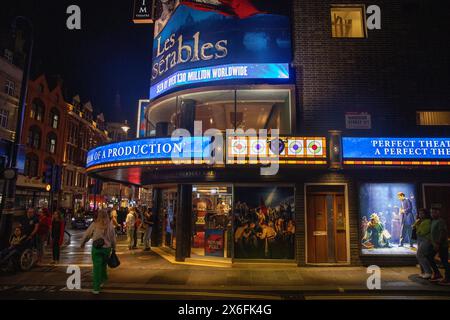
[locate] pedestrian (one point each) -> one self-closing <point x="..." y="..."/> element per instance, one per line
<point x="136" y="227"/>
<point x="30" y="226"/>
<point x="45" y="223"/>
<point x="131" y="226"/>
<point x="114" y="216"/>
<point x="423" y="231"/>
<point x="104" y="240"/>
<point x="439" y="241"/>
<point x="57" y="235"/>
<point x="148" y="223"/>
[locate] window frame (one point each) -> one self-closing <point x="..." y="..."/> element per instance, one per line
<point x="361" y="7"/>
<point x="4" y="117"/>
<point x="10" y="87"/>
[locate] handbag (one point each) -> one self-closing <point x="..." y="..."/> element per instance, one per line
<point x="113" y="260"/>
<point x="99" y="243"/>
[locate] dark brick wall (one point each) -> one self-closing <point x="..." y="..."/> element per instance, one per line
<point x="397" y="70"/>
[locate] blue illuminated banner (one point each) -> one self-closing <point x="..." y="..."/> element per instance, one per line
<point x="222" y="72"/>
<point x="150" y="149"/>
<point x="396" y="148"/>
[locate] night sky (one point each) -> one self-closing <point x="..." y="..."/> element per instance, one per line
<point x="109" y="56"/>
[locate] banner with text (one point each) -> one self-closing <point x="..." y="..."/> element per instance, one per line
<point x="396" y="148"/>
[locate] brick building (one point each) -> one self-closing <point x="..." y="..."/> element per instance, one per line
<point x="43" y="129"/>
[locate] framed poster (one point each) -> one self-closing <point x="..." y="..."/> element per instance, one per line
<point x="387" y="213"/>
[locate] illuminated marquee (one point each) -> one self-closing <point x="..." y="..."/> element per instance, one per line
<point x="149" y="149"/>
<point x="396" y="151"/>
<point x="195" y="45"/>
<point x="196" y="151"/>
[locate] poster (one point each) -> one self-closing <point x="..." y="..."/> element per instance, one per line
<point x="214" y="243"/>
<point x="264" y="220"/>
<point x="387" y="213"/>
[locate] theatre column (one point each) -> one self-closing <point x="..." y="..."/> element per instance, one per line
<point x="184" y="210"/>
<point x="184" y="222"/>
<point x="159" y="214"/>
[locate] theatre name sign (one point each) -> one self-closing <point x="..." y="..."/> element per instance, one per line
<point x="434" y="151"/>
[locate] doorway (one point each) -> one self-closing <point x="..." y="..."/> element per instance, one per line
<point x="326" y="224"/>
<point x="438" y="196"/>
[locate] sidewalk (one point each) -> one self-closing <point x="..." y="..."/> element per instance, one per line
<point x="149" y="271"/>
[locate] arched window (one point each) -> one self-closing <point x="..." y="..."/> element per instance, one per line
<point x="51" y="143"/>
<point x="31" y="165"/>
<point x="54" y="118"/>
<point x="34" y="137"/>
<point x="37" y="110"/>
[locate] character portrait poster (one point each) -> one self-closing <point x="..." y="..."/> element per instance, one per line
<point x="387" y="213"/>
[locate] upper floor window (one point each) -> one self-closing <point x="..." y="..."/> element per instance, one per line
<point x="10" y="87"/>
<point x="31" y="165"/>
<point x="41" y="88"/>
<point x="51" y="143"/>
<point x="4" y="115"/>
<point x="37" y="110"/>
<point x="433" y="118"/>
<point x="34" y="138"/>
<point x="348" y="22"/>
<point x="9" y="55"/>
<point x="54" y="118"/>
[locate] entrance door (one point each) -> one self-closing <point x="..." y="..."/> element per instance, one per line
<point x="439" y="197"/>
<point x="327" y="229"/>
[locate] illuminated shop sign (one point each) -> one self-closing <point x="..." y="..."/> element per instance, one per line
<point x="223" y="72"/>
<point x="414" y="149"/>
<point x="149" y="149"/>
<point x="194" y="43"/>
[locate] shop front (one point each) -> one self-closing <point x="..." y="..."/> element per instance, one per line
<point x="225" y="211"/>
<point x="31" y="193"/>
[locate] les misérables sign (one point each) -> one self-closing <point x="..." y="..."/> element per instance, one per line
<point x="204" y="41"/>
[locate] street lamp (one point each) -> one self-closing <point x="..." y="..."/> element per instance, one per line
<point x="8" y="201"/>
<point x="126" y="127"/>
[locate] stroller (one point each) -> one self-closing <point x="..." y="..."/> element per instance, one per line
<point x="21" y="258"/>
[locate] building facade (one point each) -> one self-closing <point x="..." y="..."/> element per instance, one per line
<point x="83" y="132"/>
<point x="43" y="129"/>
<point x="359" y="95"/>
<point x="10" y="81"/>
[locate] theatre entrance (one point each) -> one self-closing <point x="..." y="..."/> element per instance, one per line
<point x="326" y="224"/>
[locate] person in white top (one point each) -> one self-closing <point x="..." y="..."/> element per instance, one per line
<point x="104" y="240"/>
<point x="114" y="217"/>
<point x="131" y="224"/>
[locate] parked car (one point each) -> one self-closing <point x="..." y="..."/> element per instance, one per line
<point x="82" y="221"/>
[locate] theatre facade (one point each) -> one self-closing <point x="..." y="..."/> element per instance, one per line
<point x="261" y="145"/>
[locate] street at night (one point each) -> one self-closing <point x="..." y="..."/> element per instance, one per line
<point x="146" y="275"/>
<point x="217" y="158"/>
